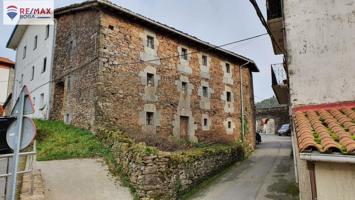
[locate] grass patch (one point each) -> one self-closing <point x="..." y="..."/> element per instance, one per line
<point x="58" y="141"/>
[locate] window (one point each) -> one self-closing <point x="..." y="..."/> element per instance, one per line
<point x="21" y="81"/>
<point x="150" y="118"/>
<point x="150" y="79"/>
<point x="111" y="27"/>
<point x="71" y="45"/>
<point x="41" y="100"/>
<point x="228" y="68"/>
<point x="205" y="91"/>
<point x="35" y="42"/>
<point x="68" y="84"/>
<point x="44" y="64"/>
<point x="24" y="52"/>
<point x="229" y="124"/>
<point x="47" y="32"/>
<point x="67" y="118"/>
<point x="33" y="73"/>
<point x="184" y="87"/>
<point x="184" y="53"/>
<point x="150" y="42"/>
<point x="205" y="122"/>
<point x="204" y="60"/>
<point x="229" y="96"/>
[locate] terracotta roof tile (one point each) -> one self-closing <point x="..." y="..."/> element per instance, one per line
<point x="7" y="62"/>
<point x="326" y="129"/>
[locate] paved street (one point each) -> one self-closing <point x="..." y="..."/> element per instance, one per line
<point x="267" y="174"/>
<point x="80" y="179"/>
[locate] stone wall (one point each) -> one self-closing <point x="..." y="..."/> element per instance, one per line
<point x="279" y="114"/>
<point x="75" y="69"/>
<point x="112" y="90"/>
<point x="163" y="175"/>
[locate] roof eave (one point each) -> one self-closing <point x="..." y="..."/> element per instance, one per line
<point x="319" y="157"/>
<point x="88" y="4"/>
<point x="16" y="36"/>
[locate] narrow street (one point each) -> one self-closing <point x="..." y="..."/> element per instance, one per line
<point x="267" y="174"/>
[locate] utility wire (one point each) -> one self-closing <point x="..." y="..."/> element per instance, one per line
<point x="169" y="57"/>
<point x="263" y="22"/>
<point x="151" y="60"/>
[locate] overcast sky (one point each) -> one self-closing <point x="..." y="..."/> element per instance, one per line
<point x="214" y="21"/>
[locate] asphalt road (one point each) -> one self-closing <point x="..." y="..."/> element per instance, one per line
<point x="267" y="174"/>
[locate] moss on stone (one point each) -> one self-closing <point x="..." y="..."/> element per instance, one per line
<point x="177" y="169"/>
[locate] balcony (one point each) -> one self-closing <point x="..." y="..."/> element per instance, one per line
<point x="280" y="83"/>
<point x="275" y="24"/>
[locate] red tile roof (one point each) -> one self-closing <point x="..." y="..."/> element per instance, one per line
<point x="326" y="128"/>
<point x="6" y="62"/>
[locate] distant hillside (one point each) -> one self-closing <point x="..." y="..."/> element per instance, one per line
<point x="270" y="102"/>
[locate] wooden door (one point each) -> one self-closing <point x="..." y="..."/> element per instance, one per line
<point x="184" y="127"/>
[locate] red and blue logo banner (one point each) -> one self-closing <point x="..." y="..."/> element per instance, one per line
<point x="39" y="12"/>
<point x="11" y="11"/>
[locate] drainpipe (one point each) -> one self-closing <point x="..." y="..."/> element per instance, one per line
<point x="312" y="176"/>
<point x="294" y="150"/>
<point x="242" y="98"/>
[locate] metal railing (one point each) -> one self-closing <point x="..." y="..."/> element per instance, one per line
<point x="5" y="174"/>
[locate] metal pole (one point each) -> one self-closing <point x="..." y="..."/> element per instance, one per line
<point x="17" y="149"/>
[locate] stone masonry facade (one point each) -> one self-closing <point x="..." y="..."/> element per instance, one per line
<point x="101" y="81"/>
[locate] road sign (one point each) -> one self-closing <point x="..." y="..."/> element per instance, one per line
<point x="28" y="107"/>
<point x="27" y="135"/>
<point x="20" y="133"/>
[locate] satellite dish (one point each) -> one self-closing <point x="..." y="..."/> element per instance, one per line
<point x="27" y="135"/>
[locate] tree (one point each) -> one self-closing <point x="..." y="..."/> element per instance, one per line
<point x="266" y="103"/>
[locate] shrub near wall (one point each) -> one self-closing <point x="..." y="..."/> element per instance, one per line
<point x="156" y="174"/>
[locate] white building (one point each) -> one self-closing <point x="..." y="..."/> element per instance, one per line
<point x="317" y="40"/>
<point x="34" y="54"/>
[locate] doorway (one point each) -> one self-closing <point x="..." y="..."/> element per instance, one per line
<point x="184" y="127"/>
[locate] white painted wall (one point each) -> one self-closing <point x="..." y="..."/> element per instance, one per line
<point x="335" y="181"/>
<point x="321" y="50"/>
<point x="4" y="78"/>
<point x="35" y="57"/>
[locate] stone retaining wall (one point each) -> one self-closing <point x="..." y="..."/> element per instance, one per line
<point x="164" y="175"/>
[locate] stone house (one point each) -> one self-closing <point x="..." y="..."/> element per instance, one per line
<point x="117" y="69"/>
<point x="317" y="40"/>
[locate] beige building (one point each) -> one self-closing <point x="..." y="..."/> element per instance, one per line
<point x="317" y="39"/>
<point x="147" y="78"/>
<point x="6" y="81"/>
